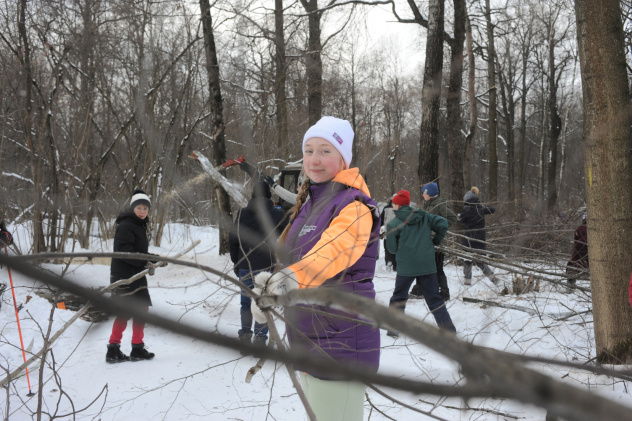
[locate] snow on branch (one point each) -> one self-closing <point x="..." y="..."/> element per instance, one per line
<point x="230" y="188"/>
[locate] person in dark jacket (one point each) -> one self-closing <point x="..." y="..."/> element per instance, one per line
<point x="578" y="265"/>
<point x="252" y="240"/>
<point x="473" y="218"/>
<point x="385" y="217"/>
<point x="436" y="205"/>
<point x="131" y="237"/>
<point x="410" y="239"/>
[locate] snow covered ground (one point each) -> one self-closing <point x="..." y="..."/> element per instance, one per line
<point x="193" y="380"/>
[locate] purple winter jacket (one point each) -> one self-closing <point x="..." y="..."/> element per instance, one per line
<point x="345" y="341"/>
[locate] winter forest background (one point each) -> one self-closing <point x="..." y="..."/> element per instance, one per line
<point x="526" y="99"/>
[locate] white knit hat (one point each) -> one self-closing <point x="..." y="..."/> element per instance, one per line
<point x="139" y="198"/>
<point x="336" y="131"/>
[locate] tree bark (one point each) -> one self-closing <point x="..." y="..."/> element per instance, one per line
<point x="428" y="169"/>
<point x="313" y="63"/>
<point x="39" y="244"/>
<point x="526" y="49"/>
<point x="555" y="122"/>
<point x="453" y="119"/>
<point x="217" y="123"/>
<point x="471" y="93"/>
<point x="608" y="169"/>
<point x="492" y="116"/>
<point x="281" y="76"/>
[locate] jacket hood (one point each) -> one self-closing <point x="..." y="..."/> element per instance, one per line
<point x="352" y="178"/>
<point x="129" y="214"/>
<point x="409" y="215"/>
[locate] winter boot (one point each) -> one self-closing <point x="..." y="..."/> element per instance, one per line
<point x="259" y="342"/>
<point x="139" y="352"/>
<point x="392" y="334"/>
<point x="115" y="355"/>
<point x="245" y="336"/>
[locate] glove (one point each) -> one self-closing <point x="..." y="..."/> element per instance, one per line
<point x="266" y="283"/>
<point x="256" y="311"/>
<point x="269" y="181"/>
<point x="445" y="293"/>
<point x="151" y="268"/>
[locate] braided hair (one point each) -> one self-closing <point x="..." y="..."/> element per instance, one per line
<point x="300" y="199"/>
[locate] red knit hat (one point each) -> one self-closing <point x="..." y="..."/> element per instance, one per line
<point x="402" y="198"/>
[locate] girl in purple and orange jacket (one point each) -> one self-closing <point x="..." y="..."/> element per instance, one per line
<point x="332" y="241"/>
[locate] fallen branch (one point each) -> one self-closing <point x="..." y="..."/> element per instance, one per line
<point x="229" y="187"/>
<point x="557" y="278"/>
<point x="502" y="305"/>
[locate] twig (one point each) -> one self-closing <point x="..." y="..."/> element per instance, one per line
<point x="496" y="304"/>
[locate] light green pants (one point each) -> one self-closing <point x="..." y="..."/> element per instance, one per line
<point x="334" y="400"/>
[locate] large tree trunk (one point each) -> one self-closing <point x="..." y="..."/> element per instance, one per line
<point x="217" y="122"/>
<point x="526" y="49"/>
<point x="281" y="76"/>
<point x="608" y="168"/>
<point x="493" y="122"/>
<point x="39" y="244"/>
<point x="471" y="94"/>
<point x="431" y="96"/>
<point x="555" y="123"/>
<point x="453" y="120"/>
<point x="314" y="64"/>
<point x="507" y="100"/>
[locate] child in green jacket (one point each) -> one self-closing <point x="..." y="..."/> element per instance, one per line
<point x="409" y="238"/>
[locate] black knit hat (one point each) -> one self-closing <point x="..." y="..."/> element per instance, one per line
<point x="139" y="198"/>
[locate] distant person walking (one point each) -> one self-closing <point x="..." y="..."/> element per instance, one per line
<point x="473" y="218"/>
<point x="131" y="237"/>
<point x="578" y="265"/>
<point x="252" y="240"/>
<point x="437" y="205"/>
<point x="409" y="237"/>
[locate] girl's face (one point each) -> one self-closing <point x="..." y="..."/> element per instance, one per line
<point x="321" y="160"/>
<point x="141" y="211"/>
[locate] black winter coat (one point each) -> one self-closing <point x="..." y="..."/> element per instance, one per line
<point x="473" y="217"/>
<point x="131" y="237"/>
<point x="248" y="239"/>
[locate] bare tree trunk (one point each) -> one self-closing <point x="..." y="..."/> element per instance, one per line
<point x="357" y="140"/>
<point x="565" y="129"/>
<point x="526" y="48"/>
<point x="313" y="62"/>
<point x="471" y="90"/>
<point x="39" y="244"/>
<point x="542" y="153"/>
<point x="608" y="166"/>
<point x="281" y="76"/>
<point x="493" y="122"/>
<point x="217" y="118"/>
<point x="555" y="121"/>
<point x="507" y="100"/>
<point x="453" y="120"/>
<point x="428" y="169"/>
